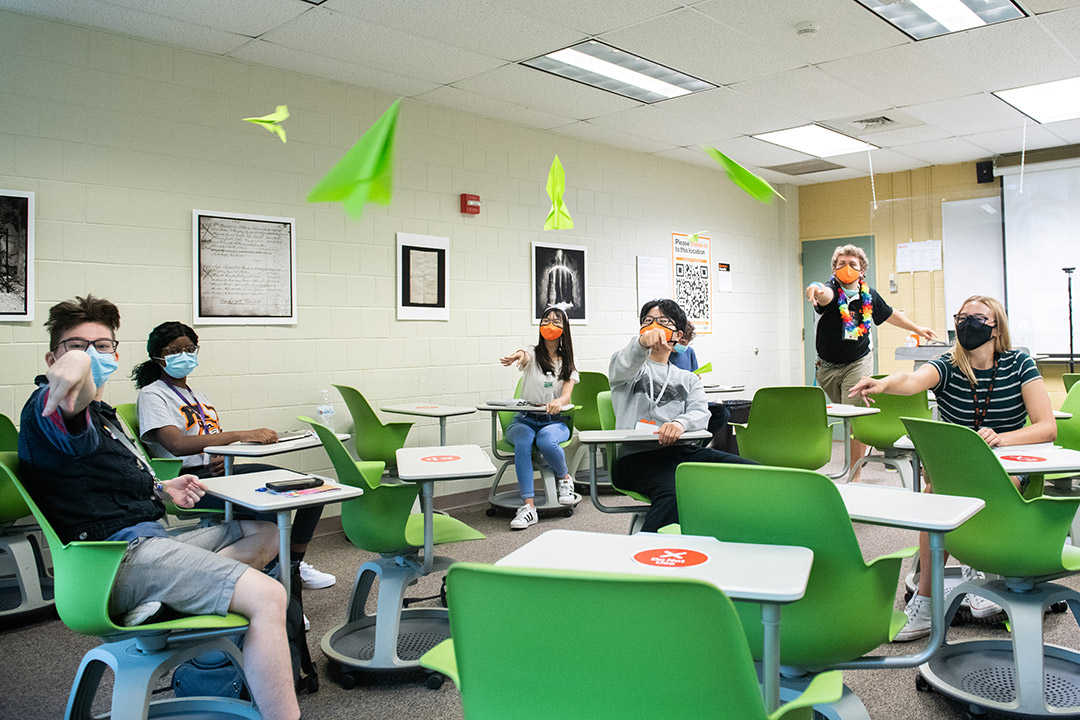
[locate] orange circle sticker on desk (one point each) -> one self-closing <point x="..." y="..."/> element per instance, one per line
<point x="1023" y="458"/>
<point x="440" y="458"/>
<point x="670" y="557"/>
<point x="426" y="407"/>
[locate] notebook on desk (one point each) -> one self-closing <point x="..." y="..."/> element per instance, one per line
<point x="285" y="436"/>
<point x="514" y="402"/>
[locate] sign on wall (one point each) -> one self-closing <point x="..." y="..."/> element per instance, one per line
<point x="692" y="278"/>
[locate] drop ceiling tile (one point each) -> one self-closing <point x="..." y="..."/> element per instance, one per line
<point x="133" y="23"/>
<point x="1065" y="27"/>
<point x="1006" y="55"/>
<point x="968" y="115"/>
<point x="594" y="18"/>
<point x="1000" y="142"/>
<point x="344" y="37"/>
<point x="810" y="92"/>
<point x="905" y="136"/>
<point x="834" y="175"/>
<point x="244" y="17"/>
<point x="614" y="138"/>
<point x="751" y="152"/>
<point x="1043" y="6"/>
<point x="943" y="152"/>
<point x="700" y="46"/>
<point x="843" y="28"/>
<point x="487" y="28"/>
<point x="468" y="102"/>
<point x="693" y="155"/>
<point x="521" y="85"/>
<point x="1067" y="130"/>
<point x="739" y="113"/>
<point x="298" y="61"/>
<point x="660" y="125"/>
<point x="901" y="75"/>
<point x="884" y="160"/>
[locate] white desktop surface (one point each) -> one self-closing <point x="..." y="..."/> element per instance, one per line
<point x="448" y="462"/>
<point x="713" y="389"/>
<point x="243" y="490"/>
<point x="241" y="449"/>
<point x="898" y="507"/>
<point x="427" y="409"/>
<point x="593" y="437"/>
<point x="762" y="573"/>
<point x="519" y="408"/>
<point x="1062" y="415"/>
<point x="1041" y="457"/>
<point x="839" y="410"/>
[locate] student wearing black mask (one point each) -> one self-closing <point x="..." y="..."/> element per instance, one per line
<point x="983" y="384"/>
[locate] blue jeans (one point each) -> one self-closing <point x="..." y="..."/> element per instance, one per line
<point x="546" y="432"/>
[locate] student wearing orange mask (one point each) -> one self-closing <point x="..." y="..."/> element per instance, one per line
<point x="549" y="378"/>
<point x="846" y="305"/>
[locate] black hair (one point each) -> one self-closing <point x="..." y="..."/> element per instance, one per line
<point x="149" y="371"/>
<point x="670" y="310"/>
<point x="72" y="313"/>
<point x="565" y="351"/>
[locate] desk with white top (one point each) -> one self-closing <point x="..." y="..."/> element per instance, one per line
<point x="258" y="450"/>
<point x="845" y="413"/>
<point x="718" y="389"/>
<point x="426" y="409"/>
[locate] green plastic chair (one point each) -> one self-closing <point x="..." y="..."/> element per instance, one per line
<point x="881" y="431"/>
<point x="654" y="647"/>
<point x="139" y="656"/>
<point x="1022" y="540"/>
<point x="1070" y="379"/>
<point x="381" y="521"/>
<point x="26" y="583"/>
<point x="788" y="427"/>
<point x="164" y="468"/>
<point x="375" y="440"/>
<point x="587" y="413"/>
<point x="606" y="412"/>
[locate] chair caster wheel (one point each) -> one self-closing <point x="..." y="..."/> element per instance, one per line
<point x="1059" y="607"/>
<point x="568" y="512"/>
<point x="907" y="595"/>
<point x="442" y="592"/>
<point x="490" y="512"/>
<point x="921" y="685"/>
<point x="434" y="681"/>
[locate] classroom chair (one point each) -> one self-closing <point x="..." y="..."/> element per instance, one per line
<point x="607" y="422"/>
<point x="881" y="431"/>
<point x="788" y="427"/>
<point x="25" y="584"/>
<point x="1023" y="540"/>
<point x="1069" y="379"/>
<point x="547" y="497"/>
<point x="587" y="412"/>
<point x="138" y="656"/>
<point x="847" y="610"/>
<point x="375" y="440"/>
<point x="380" y="521"/>
<point x="638" y="647"/>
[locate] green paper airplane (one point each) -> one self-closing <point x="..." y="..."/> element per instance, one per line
<point x="559" y="217"/>
<point x="707" y="367"/>
<point x="272" y="121"/>
<point x="750" y="183"/>
<point x="366" y="172"/>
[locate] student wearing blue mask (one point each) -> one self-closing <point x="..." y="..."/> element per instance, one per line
<point x="682" y="355"/>
<point x="178" y="421"/>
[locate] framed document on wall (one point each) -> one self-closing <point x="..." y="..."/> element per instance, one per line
<point x="16" y="256"/>
<point x="423" y="291"/>
<point x="244" y="269"/>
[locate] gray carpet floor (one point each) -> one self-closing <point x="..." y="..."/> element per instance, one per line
<point x="40" y="655"/>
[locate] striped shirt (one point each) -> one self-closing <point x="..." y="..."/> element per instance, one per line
<point x="1006" y="411"/>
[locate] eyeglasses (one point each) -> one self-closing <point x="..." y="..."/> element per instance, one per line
<point x="666" y="322"/>
<point x="977" y="319"/>
<point x="167" y="351"/>
<point x="549" y="321"/>
<point x="104" y="345"/>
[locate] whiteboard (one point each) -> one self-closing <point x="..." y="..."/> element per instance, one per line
<point x="972" y="256"/>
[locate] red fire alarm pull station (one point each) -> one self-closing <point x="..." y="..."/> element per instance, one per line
<point x="470" y="204"/>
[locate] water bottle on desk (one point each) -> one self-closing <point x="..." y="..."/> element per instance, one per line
<point x="326" y="411"/>
<point x="549" y="388"/>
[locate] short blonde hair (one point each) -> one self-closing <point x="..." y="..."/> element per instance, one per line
<point x="961" y="358"/>
<point x="854" y="251"/>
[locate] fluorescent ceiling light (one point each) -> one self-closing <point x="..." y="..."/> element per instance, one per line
<point x="1046" y="102"/>
<point x="816" y="140"/>
<point x="608" y="68"/>
<point x="923" y="19"/>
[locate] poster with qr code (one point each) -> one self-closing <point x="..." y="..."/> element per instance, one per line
<point x="691" y="264"/>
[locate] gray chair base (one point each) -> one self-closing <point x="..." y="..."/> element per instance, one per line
<point x="546" y="499"/>
<point x="848" y="707"/>
<point x="899" y="460"/>
<point x="138" y="665"/>
<point x="1023" y="676"/>
<point x="394" y="638"/>
<point x="30" y="587"/>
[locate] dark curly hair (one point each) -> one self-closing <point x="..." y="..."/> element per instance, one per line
<point x="149" y="371"/>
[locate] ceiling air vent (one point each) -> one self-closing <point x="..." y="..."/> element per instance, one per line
<point x="805" y="167"/>
<point x="872" y="123"/>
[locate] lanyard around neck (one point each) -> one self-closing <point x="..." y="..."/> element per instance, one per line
<point x="656" y="400"/>
<point x="980" y="413"/>
<point x="194" y="402"/>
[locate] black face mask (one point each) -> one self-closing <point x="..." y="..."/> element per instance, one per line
<point x="972" y="333"/>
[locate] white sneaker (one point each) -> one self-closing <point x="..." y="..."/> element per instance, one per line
<point x="315" y="579"/>
<point x="980" y="606"/>
<point x="526" y="516"/>
<point x="918" y="624"/>
<point x="566" y="491"/>
<point x="141" y="613"/>
<point x="307" y="623"/>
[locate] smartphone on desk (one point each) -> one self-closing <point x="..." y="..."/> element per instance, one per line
<point x="281" y="486"/>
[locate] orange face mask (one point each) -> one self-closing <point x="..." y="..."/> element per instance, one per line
<point x="846" y="274"/>
<point x="550" y="332"/>
<point x="668" y="332"/>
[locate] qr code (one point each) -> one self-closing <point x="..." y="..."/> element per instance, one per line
<point x="692" y="289"/>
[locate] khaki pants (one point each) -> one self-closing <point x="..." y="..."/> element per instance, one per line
<point x="838" y="381"/>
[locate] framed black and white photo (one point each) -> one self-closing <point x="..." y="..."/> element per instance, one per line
<point x="16" y="256"/>
<point x="244" y="269"/>
<point x="422" y="271"/>
<point x="559" y="280"/>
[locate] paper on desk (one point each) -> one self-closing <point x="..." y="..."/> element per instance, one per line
<point x="750" y="183"/>
<point x="558" y="217"/>
<point x="272" y="121"/>
<point x="366" y="172"/>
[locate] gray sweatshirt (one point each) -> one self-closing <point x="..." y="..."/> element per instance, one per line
<point x="638" y="392"/>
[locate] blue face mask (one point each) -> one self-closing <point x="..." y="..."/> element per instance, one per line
<point x="180" y="365"/>
<point x="680" y="348"/>
<point x="101" y="365"/>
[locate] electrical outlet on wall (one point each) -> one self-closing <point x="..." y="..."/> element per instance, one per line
<point x="893" y="287"/>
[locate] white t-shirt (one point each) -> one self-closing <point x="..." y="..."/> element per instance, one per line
<point x="161" y="405"/>
<point x="532" y="387"/>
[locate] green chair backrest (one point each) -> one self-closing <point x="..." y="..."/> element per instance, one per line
<point x="505" y="418"/>
<point x="587" y="416"/>
<point x="884" y="429"/>
<point x="12" y="506"/>
<point x="375" y="441"/>
<point x="1011" y="536"/>
<point x="374" y="521"/>
<point x="848" y="607"/>
<point x="624" y="629"/>
<point x="787" y="428"/>
<point x="164" y="468"/>
<point x="1069" y="430"/>
<point x="9" y="436"/>
<point x="1070" y="379"/>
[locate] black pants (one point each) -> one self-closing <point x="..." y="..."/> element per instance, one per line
<point x="652" y="474"/>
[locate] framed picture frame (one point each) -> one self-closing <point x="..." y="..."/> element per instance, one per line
<point x="423" y="292"/>
<point x="244" y="269"/>
<point x="16" y="256"/>
<point x="558" y="279"/>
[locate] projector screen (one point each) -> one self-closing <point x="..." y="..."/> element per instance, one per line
<point x="1042" y="236"/>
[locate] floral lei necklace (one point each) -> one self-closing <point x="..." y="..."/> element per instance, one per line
<point x="851" y="330"/>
